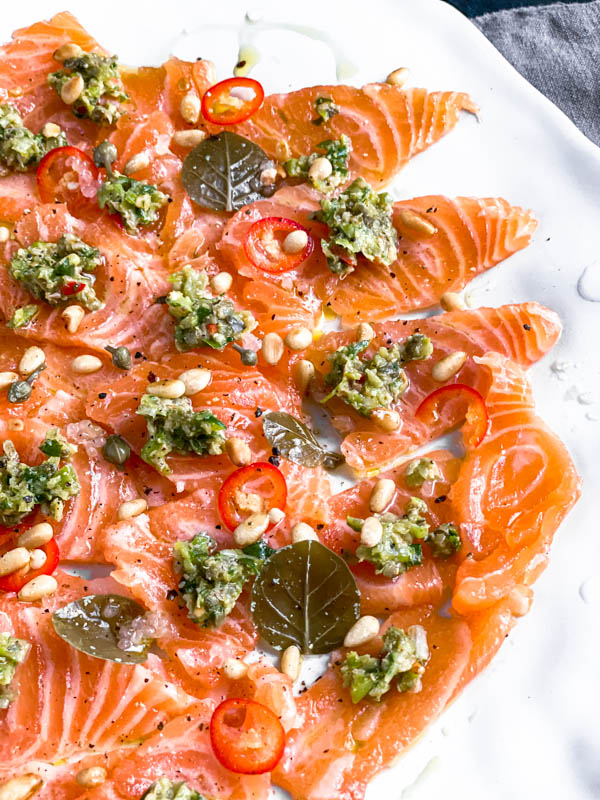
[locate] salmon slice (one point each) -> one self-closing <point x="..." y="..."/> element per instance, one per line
<point x="61" y="709"/>
<point x="522" y="332"/>
<point x="339" y="746"/>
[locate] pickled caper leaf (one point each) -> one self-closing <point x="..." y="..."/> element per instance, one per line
<point x="305" y="595"/>
<point x="223" y="172"/>
<point x="296" y="442"/>
<point x="92" y="624"/>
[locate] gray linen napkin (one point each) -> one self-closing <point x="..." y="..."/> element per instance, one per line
<point x="557" y="48"/>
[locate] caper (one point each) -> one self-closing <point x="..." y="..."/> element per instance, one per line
<point x="105" y="155"/>
<point x="248" y="357"/>
<point x="116" y="450"/>
<point x="20" y="391"/>
<point x="121" y="357"/>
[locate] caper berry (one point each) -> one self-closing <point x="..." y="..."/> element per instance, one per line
<point x="105" y="155"/>
<point x="116" y="450"/>
<point x="121" y="357"/>
<point x="248" y="357"/>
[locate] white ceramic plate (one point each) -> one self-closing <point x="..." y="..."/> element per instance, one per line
<point x="528" y="726"/>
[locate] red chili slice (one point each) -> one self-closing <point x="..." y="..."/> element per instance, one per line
<point x="246" y="736"/>
<point x="231" y="101"/>
<point x="16" y="581"/>
<point x="261" y="478"/>
<point x="476" y="413"/>
<point x="264" y="245"/>
<point x="73" y="287"/>
<point x="68" y="175"/>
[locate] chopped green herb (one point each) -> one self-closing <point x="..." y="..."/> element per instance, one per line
<point x="136" y="202"/>
<point x="420" y="470"/>
<point x="337" y="151"/>
<point x="213" y="580"/>
<point x="403" y="657"/>
<point x="166" y="789"/>
<point x="173" y="425"/>
<point x="367" y="384"/>
<point x="20" y="391"/>
<point x="204" y="320"/>
<point x="360" y="221"/>
<point x="59" y="272"/>
<point x="48" y="485"/>
<point x="20" y="149"/>
<point x="444" y="541"/>
<point x="103" y="89"/>
<point x="326" y="109"/>
<point x="13" y="652"/>
<point x="22" y="316"/>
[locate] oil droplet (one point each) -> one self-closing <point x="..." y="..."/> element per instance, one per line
<point x="589" y="591"/>
<point x="588" y="284"/>
<point x="248" y="57"/>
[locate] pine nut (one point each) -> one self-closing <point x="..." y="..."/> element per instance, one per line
<point x="398" y="77"/>
<point x="4" y="234"/>
<point x="189" y="108"/>
<point x="371" y="532"/>
<point x="282" y="150"/>
<point x="448" y="366"/>
<point x="382" y="495"/>
<point x="364" y="331"/>
<point x="21" y="788"/>
<point x="136" y="163"/>
<point x="6" y="378"/>
<point x="50" y="130"/>
<point x="251" y="529"/>
<point x="72" y="89"/>
<point x="519" y="601"/>
<point x="451" y="301"/>
<point x="32" y="359"/>
<point x="272" y="348"/>
<point x="268" y="176"/>
<point x="305" y="372"/>
<point x="67" y="50"/>
<point x="295" y="242"/>
<point x="36" y="536"/>
<point x="364" y="630"/>
<point x="132" y="508"/>
<point x="85" y="365"/>
<point x="73" y="316"/>
<point x="235" y="669"/>
<point x="169" y="390"/>
<point x="417" y="223"/>
<point x="320" y="169"/>
<point x="14" y="424"/>
<point x="302" y="532"/>
<point x="387" y="419"/>
<point x="36" y="589"/>
<point x="291" y="662"/>
<point x="221" y="283"/>
<point x="189" y="138"/>
<point x="195" y="380"/>
<point x="90" y="777"/>
<point x="276" y="515"/>
<point x="13" y="560"/>
<point x="37" y="559"/>
<point x="298" y="338"/>
<point x="238" y="451"/>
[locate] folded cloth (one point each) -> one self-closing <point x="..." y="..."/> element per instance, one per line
<point x="557" y="48"/>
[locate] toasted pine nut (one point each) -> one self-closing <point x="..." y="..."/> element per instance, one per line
<point x="320" y="169"/>
<point x="14" y="559"/>
<point x="448" y="366"/>
<point x="451" y="301"/>
<point x="50" y="130"/>
<point x="268" y="176"/>
<point x="364" y="331"/>
<point x="234" y="669"/>
<point x="305" y="372"/>
<point x="295" y="242"/>
<point x="168" y="390"/>
<point x="73" y="316"/>
<point x="4" y="234"/>
<point x="417" y="222"/>
<point x="136" y="163"/>
<point x="39" y="587"/>
<point x="67" y="50"/>
<point x="72" y="89"/>
<point x="371" y="532"/>
<point x="382" y="495"/>
<point x="195" y="380"/>
<point x="37" y="559"/>
<point x="301" y="532"/>
<point x="291" y="662"/>
<point x="21" y="788"/>
<point x="251" y="529"/>
<point x="221" y="283"/>
<point x="86" y="364"/>
<point x="189" y="108"/>
<point x="519" y="601"/>
<point x="272" y="348"/>
<point x="6" y="378"/>
<point x="276" y="515"/>
<point x="282" y="150"/>
<point x="32" y="359"/>
<point x="36" y="536"/>
<point x="131" y="508"/>
<point x="15" y="424"/>
<point x="387" y="419"/>
<point x="238" y="451"/>
<point x="298" y="338"/>
<point x="189" y="138"/>
<point x="90" y="777"/>
<point x="398" y="77"/>
<point x="363" y="630"/>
